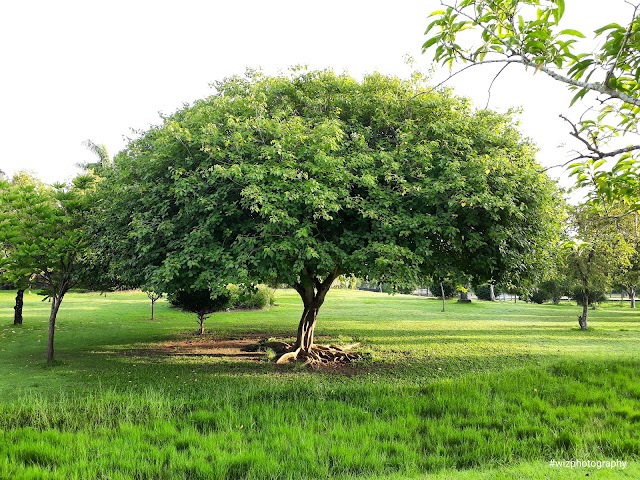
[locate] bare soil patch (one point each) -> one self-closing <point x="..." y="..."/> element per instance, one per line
<point x="249" y="347"/>
<point x="231" y="348"/>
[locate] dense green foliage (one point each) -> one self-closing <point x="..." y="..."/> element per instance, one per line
<point x="482" y="391"/>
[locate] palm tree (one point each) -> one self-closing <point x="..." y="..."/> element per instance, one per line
<point x="100" y="151"/>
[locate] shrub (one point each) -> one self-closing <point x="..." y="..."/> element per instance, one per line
<point x="483" y="291"/>
<point x="450" y="290"/>
<point x="250" y="297"/>
<point x="595" y="296"/>
<point x="199" y="302"/>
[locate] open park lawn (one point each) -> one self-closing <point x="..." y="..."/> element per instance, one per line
<point x="483" y="390"/>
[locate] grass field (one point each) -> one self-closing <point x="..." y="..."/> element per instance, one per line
<point x="484" y="390"/>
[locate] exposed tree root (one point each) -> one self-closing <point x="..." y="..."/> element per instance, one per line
<point x="317" y="356"/>
<point x="288" y="357"/>
<point x="321" y="355"/>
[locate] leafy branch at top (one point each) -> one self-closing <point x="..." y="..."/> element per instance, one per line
<point x="528" y="33"/>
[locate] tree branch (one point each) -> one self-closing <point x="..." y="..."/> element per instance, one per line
<point x="523" y="60"/>
<point x="596" y="87"/>
<point x="625" y="41"/>
<point x="597" y="153"/>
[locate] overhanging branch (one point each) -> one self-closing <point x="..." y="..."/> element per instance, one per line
<point x="596" y="153"/>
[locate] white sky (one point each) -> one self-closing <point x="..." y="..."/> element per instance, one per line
<point x="77" y="70"/>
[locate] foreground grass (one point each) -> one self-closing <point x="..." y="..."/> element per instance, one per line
<point x="480" y="391"/>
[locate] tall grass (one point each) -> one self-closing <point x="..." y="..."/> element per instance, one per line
<point x="494" y="395"/>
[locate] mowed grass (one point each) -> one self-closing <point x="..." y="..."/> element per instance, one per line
<point x="485" y="390"/>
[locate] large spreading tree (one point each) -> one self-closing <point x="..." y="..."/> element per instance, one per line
<point x="300" y="178"/>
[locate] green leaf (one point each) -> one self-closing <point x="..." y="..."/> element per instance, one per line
<point x="560" y="9"/>
<point x="610" y="26"/>
<point x="574" y="33"/>
<point x="426" y="45"/>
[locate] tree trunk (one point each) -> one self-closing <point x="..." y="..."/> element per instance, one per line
<point x="201" y="319"/>
<point x="17" y="316"/>
<point x="306" y="328"/>
<point x="582" y="320"/>
<point x="55" y="306"/>
<point x="464" y="297"/>
<point x="632" y="297"/>
<point x="492" y="293"/>
<point x="442" y="294"/>
<point x="313" y="292"/>
<point x="153" y="302"/>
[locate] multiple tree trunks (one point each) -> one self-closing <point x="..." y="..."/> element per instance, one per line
<point x="17" y="316"/>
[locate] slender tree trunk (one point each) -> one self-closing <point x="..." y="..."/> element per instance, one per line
<point x="201" y="318"/>
<point x="442" y="294"/>
<point x="153" y="302"/>
<point x="55" y="306"/>
<point x="632" y="297"/>
<point x="492" y="293"/>
<point x="17" y="315"/>
<point x="582" y="320"/>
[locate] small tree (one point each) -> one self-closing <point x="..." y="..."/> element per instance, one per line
<point x="202" y="302"/>
<point x="45" y="227"/>
<point x="597" y="252"/>
<point x="21" y="201"/>
<point x="154" y="297"/>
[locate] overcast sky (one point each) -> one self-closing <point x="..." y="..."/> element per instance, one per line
<point x="77" y="70"/>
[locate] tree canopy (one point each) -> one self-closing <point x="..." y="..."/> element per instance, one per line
<point x="299" y="178"/>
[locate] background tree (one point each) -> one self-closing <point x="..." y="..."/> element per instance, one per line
<point x="154" y="297"/>
<point x="103" y="159"/>
<point x="626" y="224"/>
<point x="597" y="252"/>
<point x="45" y="227"/>
<point x="629" y="278"/>
<point x="486" y="291"/>
<point x="202" y="302"/>
<point x="21" y="199"/>
<point x="299" y="179"/>
<point x="528" y="33"/>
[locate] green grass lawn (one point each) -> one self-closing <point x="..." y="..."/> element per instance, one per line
<point x="483" y="390"/>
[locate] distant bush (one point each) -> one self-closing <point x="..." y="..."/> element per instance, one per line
<point x="551" y="290"/>
<point x="250" y="297"/>
<point x="450" y="290"/>
<point x="483" y="291"/>
<point x="595" y="296"/>
<point x="350" y="282"/>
